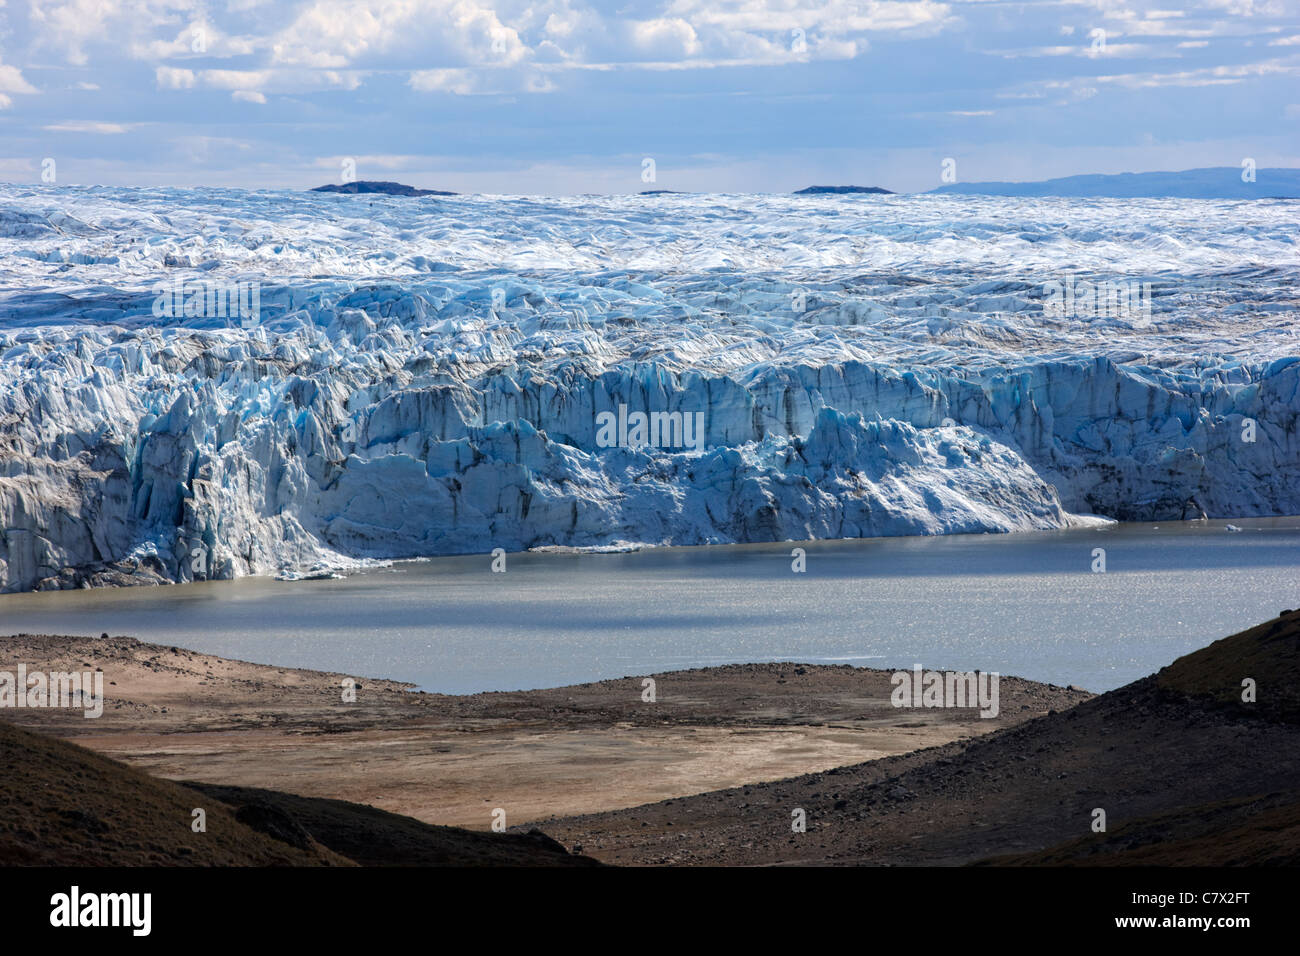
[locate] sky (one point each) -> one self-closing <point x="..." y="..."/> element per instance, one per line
<point x="589" y="96"/>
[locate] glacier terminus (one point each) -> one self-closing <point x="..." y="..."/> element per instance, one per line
<point x="209" y="383"/>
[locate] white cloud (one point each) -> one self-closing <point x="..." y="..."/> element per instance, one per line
<point x="342" y="33"/>
<point x="87" y="126"/>
<point x="465" y="82"/>
<point x="173" y="78"/>
<point x="199" y="39"/>
<point x="247" y="96"/>
<point x="1066" y="92"/>
<point x="1248" y="8"/>
<point x="430" y="37"/>
<point x="831" y="16"/>
<point x="1209" y="76"/>
<point x="201" y="150"/>
<point x="377" y="160"/>
<point x="460" y="81"/>
<point x="665" y="38"/>
<point x="11" y="81"/>
<point x="72" y="26"/>
<point x="235" y="79"/>
<point x="1109" y="50"/>
<point x="260" y="82"/>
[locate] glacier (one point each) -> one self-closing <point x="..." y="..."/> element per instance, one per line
<point x="425" y="376"/>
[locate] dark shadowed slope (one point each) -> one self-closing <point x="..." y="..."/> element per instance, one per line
<point x="373" y="837"/>
<point x="62" y="805"/>
<point x="1250" y="831"/>
<point x="1154" y="755"/>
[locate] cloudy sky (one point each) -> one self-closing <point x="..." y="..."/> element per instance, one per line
<point x="573" y="96"/>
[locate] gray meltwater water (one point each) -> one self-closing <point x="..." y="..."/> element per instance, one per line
<point x="1028" y="605"/>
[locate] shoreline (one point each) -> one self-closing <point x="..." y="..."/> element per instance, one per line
<point x="138" y="571"/>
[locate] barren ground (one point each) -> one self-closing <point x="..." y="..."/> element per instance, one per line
<point x="454" y="759"/>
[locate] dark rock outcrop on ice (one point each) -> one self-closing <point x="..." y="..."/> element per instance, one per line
<point x="842" y="190"/>
<point x="384" y="188"/>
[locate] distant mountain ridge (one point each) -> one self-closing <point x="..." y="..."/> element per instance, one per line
<point x="383" y="188"/>
<point x="1216" y="182"/>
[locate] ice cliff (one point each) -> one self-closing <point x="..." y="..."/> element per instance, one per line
<point x="428" y="378"/>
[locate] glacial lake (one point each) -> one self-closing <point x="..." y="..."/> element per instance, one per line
<point x="1022" y="604"/>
